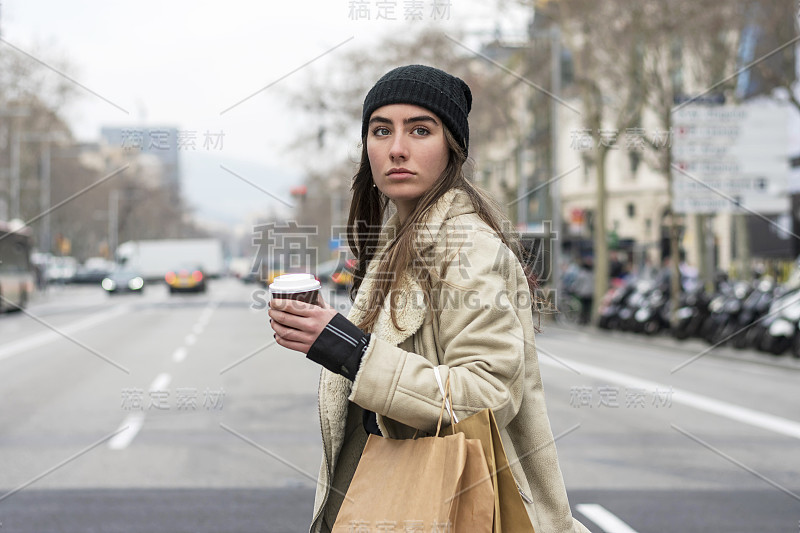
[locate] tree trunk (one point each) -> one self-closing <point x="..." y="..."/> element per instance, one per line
<point x="674" y="237"/>
<point x="703" y="248"/>
<point x="600" y="236"/>
<point x="742" y="246"/>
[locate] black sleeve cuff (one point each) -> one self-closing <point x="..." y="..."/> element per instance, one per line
<point x="340" y="347"/>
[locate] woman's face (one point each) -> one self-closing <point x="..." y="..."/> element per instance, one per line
<point x="407" y="152"/>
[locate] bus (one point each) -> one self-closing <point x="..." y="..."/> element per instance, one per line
<point x="16" y="270"/>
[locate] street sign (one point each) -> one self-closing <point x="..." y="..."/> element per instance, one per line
<point x="730" y="158"/>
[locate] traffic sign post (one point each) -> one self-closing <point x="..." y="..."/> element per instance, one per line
<point x="730" y="159"/>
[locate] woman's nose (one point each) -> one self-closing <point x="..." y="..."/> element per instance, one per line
<point x="399" y="148"/>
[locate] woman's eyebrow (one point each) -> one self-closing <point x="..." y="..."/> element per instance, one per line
<point x="421" y="118"/>
<point x="381" y="120"/>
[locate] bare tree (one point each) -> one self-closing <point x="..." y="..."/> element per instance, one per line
<point x="691" y="50"/>
<point x="633" y="58"/>
<point x="332" y="101"/>
<point x="332" y="98"/>
<point x="605" y="39"/>
<point x="43" y="175"/>
<point x="771" y="35"/>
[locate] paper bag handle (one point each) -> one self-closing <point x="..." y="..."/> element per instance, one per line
<point x="445" y="395"/>
<point x="441" y="411"/>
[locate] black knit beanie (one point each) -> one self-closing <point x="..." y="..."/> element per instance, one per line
<point x="447" y="96"/>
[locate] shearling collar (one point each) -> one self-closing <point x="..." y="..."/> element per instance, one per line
<point x="410" y="305"/>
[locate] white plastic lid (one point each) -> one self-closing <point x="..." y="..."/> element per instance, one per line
<point x="293" y="283"/>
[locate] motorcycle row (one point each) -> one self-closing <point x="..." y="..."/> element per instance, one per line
<point x="759" y="314"/>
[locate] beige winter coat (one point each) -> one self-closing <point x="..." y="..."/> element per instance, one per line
<point x="480" y="332"/>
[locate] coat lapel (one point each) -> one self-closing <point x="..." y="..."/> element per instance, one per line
<point x="410" y="308"/>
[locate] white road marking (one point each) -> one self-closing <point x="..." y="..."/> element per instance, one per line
<point x="40" y="339"/>
<point x="161" y="382"/>
<point x="744" y="415"/>
<point x="604" y="519"/>
<point x="179" y="354"/>
<point x="202" y="322"/>
<point x="135" y="421"/>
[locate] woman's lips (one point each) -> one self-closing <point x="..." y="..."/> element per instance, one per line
<point x="399" y="174"/>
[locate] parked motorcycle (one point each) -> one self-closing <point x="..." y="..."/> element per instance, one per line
<point x="653" y="315"/>
<point x="723" y="323"/>
<point x="796" y="342"/>
<point x="691" y="314"/>
<point x="782" y="325"/>
<point x="635" y="301"/>
<point x="754" y="308"/>
<point x="716" y="303"/>
<point x="611" y="307"/>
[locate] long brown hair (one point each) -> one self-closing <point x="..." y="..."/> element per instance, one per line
<point x="366" y="218"/>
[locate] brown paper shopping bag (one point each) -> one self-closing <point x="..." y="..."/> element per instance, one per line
<point x="427" y="484"/>
<point x="510" y="515"/>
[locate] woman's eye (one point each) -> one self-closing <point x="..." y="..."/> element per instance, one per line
<point x="419" y="130"/>
<point x="380" y="132"/>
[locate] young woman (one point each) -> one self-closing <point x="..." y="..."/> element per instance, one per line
<point x="439" y="285"/>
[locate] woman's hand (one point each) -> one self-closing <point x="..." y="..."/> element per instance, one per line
<point x="298" y="324"/>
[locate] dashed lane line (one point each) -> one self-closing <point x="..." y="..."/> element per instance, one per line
<point x="604" y="518"/>
<point x="134" y="421"/>
<point x="179" y="354"/>
<point x="131" y="426"/>
<point x="161" y="382"/>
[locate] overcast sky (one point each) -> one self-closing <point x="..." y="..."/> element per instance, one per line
<point x="186" y="63"/>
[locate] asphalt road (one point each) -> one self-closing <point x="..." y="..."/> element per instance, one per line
<point x="178" y="413"/>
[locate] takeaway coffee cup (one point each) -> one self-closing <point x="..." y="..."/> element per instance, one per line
<point x="302" y="287"/>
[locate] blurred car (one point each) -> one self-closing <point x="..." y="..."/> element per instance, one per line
<point x="251" y="277"/>
<point x="269" y="273"/>
<point x="338" y="274"/>
<point x="186" y="279"/>
<point x="94" y="270"/>
<point x="123" y="280"/>
<point x="326" y="269"/>
<point x="239" y="267"/>
<point x="60" y="269"/>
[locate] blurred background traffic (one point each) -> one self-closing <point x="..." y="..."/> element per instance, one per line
<point x="668" y="139"/>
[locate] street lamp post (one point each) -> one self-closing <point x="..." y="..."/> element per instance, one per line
<point x="44" y="196"/>
<point x="14" y="185"/>
<point x="113" y="222"/>
<point x="45" y="160"/>
<point x="14" y="182"/>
